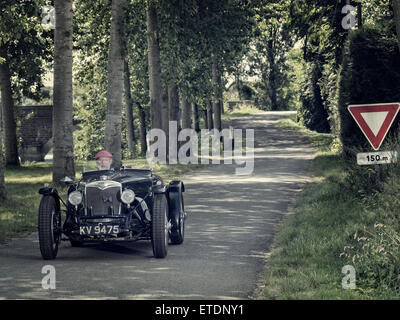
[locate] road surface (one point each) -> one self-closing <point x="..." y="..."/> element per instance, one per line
<point x="229" y="231"/>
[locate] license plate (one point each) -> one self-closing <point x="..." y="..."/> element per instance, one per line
<point x="99" y="229"/>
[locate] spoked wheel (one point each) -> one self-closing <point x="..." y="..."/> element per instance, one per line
<point x="49" y="227"/>
<point x="160" y="226"/>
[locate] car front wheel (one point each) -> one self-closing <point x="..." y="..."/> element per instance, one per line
<point x="160" y="226"/>
<point x="49" y="227"/>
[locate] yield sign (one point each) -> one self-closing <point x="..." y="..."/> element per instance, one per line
<point x="374" y="120"/>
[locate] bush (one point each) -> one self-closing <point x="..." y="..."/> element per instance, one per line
<point x="370" y="74"/>
<point x="312" y="111"/>
<point x="375" y="255"/>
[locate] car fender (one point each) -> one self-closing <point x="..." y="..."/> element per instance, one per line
<point x="160" y="189"/>
<point x="46" y="191"/>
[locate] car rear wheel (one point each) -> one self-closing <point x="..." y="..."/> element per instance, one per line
<point x="160" y="226"/>
<point x="49" y="227"/>
<point x="179" y="236"/>
<point x="177" y="212"/>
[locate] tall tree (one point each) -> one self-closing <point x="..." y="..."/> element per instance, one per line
<point x="7" y="101"/>
<point x="112" y="139"/>
<point x="226" y="29"/>
<point x="24" y="48"/>
<point x="396" y="11"/>
<point x="217" y="93"/>
<point x="137" y="58"/>
<point x="196" y="120"/>
<point x="2" y="182"/>
<point x="63" y="143"/>
<point x="186" y="114"/>
<point x="154" y="66"/>
<point x="142" y="129"/>
<point x="173" y="102"/>
<point x="210" y="120"/>
<point x="129" y="109"/>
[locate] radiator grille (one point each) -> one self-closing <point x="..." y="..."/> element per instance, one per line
<point x="100" y="199"/>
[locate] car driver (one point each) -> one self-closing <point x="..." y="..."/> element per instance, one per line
<point x="103" y="160"/>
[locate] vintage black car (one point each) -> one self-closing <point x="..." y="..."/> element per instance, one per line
<point x="126" y="204"/>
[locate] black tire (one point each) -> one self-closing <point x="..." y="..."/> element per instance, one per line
<point x="177" y="233"/>
<point x="179" y="236"/>
<point x="49" y="227"/>
<point x="160" y="232"/>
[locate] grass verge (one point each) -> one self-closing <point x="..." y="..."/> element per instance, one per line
<point x="332" y="227"/>
<point x="242" y="110"/>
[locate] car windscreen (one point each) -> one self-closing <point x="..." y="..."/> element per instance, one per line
<point x="113" y="174"/>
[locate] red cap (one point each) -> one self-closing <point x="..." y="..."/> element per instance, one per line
<point x="103" y="154"/>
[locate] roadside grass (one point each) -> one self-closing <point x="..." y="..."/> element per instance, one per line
<point x="331" y="227"/>
<point x="242" y="110"/>
<point x="18" y="214"/>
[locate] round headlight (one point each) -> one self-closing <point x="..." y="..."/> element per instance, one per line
<point x="75" y="198"/>
<point x="127" y="196"/>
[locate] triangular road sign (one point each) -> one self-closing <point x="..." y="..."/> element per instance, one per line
<point x="374" y="120"/>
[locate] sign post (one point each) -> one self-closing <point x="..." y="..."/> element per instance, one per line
<point x="375" y="120"/>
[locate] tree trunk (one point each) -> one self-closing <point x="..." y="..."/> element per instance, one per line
<point x="210" y="120"/>
<point x="173" y="102"/>
<point x="205" y="119"/>
<point x="63" y="142"/>
<point x="142" y="129"/>
<point x="155" y="90"/>
<point x="216" y="106"/>
<point x="2" y="182"/>
<point x="165" y="112"/>
<point x="272" y="71"/>
<point x="165" y="117"/>
<point x="196" y="119"/>
<point x="396" y="11"/>
<point x="112" y="138"/>
<point x="173" y="108"/>
<point x="237" y="81"/>
<point x="186" y="114"/>
<point x="10" y="127"/>
<point x="129" y="110"/>
<point x="220" y="97"/>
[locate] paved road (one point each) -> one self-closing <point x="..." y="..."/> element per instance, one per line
<point x="229" y="231"/>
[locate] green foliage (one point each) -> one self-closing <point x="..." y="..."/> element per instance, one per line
<point x="312" y="111"/>
<point x="28" y="45"/>
<point x="186" y="47"/>
<point x="375" y="254"/>
<point x="91" y="29"/>
<point x="329" y="85"/>
<point x="318" y="25"/>
<point x="191" y="31"/>
<point x="370" y="74"/>
<point x="89" y="108"/>
<point x="267" y="57"/>
<point x="246" y="92"/>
